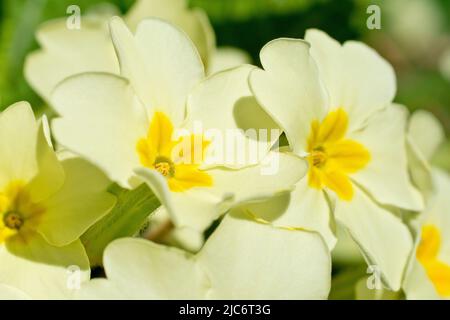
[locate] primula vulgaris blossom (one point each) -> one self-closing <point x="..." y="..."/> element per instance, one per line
<point x="45" y="206"/>
<point x="128" y="126"/>
<point x="66" y="52"/>
<point x="428" y="275"/>
<point x="334" y="103"/>
<point x="287" y="264"/>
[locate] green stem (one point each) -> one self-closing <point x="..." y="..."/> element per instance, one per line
<point x="125" y="220"/>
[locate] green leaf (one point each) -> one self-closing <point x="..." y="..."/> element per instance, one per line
<point x="125" y="220"/>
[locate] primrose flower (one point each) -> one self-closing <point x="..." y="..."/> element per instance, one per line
<point x="428" y="275"/>
<point x="128" y="126"/>
<point x="241" y="260"/>
<point x="334" y="103"/>
<point x="45" y="206"/>
<point x="66" y="52"/>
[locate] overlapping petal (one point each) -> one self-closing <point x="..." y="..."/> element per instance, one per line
<point x="382" y="237"/>
<point x="101" y="120"/>
<point x="80" y="203"/>
<point x="43" y="271"/>
<point x="288" y="264"/>
<point x="67" y="52"/>
<point x="193" y="21"/>
<point x="356" y="77"/>
<point x="199" y="207"/>
<point x="304" y="208"/>
<point x="386" y="174"/>
<point x="240" y="131"/>
<point x="162" y="72"/>
<point x="18" y="161"/>
<point x="289" y="89"/>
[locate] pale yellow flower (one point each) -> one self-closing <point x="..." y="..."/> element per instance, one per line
<point x="125" y="125"/>
<point x="45" y="206"/>
<point x="334" y="103"/>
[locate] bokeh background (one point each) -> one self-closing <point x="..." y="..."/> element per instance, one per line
<point x="414" y="37"/>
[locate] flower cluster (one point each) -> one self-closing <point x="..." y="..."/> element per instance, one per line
<point x="185" y="172"/>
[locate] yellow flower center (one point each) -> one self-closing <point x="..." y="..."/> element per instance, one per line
<point x="332" y="157"/>
<point x="318" y="158"/>
<point x="13" y="220"/>
<point x="19" y="214"/>
<point x="164" y="166"/>
<point x="427" y="254"/>
<point x="177" y="160"/>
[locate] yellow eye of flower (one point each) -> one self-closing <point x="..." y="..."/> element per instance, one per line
<point x="332" y="157"/>
<point x="19" y="214"/>
<point x="176" y="160"/>
<point x="13" y="220"/>
<point x="427" y="254"/>
<point x="164" y="166"/>
<point x="318" y="158"/>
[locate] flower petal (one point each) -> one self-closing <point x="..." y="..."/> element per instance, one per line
<point x="382" y="237"/>
<point x="199" y="207"/>
<point x="386" y="174"/>
<point x="304" y="208"/>
<point x="141" y="269"/>
<point x="249" y="260"/>
<point x="81" y="202"/>
<point x="348" y="156"/>
<point x="175" y="66"/>
<point x="41" y="270"/>
<point x="226" y="58"/>
<point x="193" y="21"/>
<point x="333" y="128"/>
<point x="162" y="71"/>
<point x="51" y="175"/>
<point x="131" y="60"/>
<point x="357" y="78"/>
<point x="239" y="252"/>
<point x="289" y="89"/>
<point x="10" y="293"/>
<point x="67" y="52"/>
<point x="18" y="136"/>
<point x="188" y="176"/>
<point x="222" y="106"/>
<point x="426" y="132"/>
<point x="184" y="238"/>
<point x="101" y="120"/>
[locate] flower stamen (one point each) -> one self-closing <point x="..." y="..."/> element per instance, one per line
<point x="13" y="220"/>
<point x="164" y="166"/>
<point x="318" y="157"/>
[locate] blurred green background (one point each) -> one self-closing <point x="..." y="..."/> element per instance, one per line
<point x="414" y="37"/>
